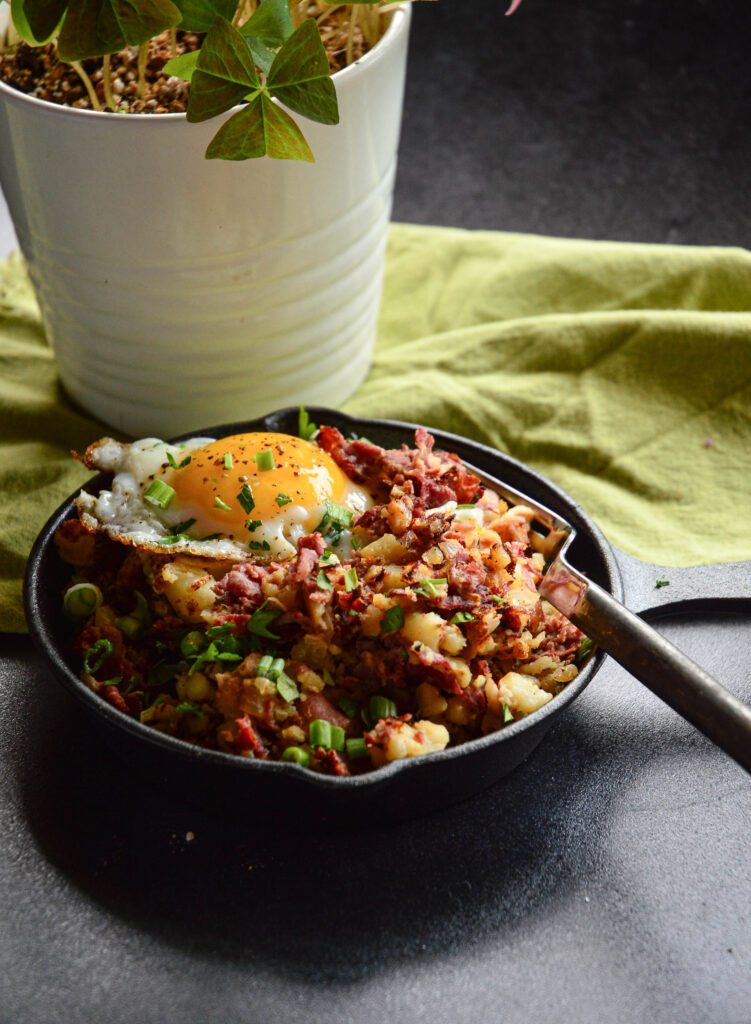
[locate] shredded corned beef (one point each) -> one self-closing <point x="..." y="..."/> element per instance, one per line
<point x="437" y="476"/>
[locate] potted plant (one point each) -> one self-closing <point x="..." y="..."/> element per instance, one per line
<point x="175" y="289"/>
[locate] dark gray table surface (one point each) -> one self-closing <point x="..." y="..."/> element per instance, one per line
<point x="608" y="879"/>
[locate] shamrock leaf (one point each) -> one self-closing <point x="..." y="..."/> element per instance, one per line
<point x="224" y="75"/>
<point x="199" y="15"/>
<point x="299" y="76"/>
<point x="94" y="27"/>
<point x="183" y="66"/>
<point x="270" y="23"/>
<point x="260" y="128"/>
<point x="41" y="16"/>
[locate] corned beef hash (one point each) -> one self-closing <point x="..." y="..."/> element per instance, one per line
<point x="314" y="599"/>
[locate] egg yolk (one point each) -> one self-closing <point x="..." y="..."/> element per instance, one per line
<point x="267" y="470"/>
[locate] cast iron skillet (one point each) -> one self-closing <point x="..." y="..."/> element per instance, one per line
<point x="287" y="793"/>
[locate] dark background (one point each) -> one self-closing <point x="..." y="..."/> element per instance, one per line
<point x="613" y="119"/>
<point x="608" y="879"/>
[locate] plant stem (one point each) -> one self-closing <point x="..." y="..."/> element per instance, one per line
<point x="351" y="32"/>
<point x="143" y="57"/>
<point x="173" y="41"/>
<point x="79" y="69"/>
<point x="109" y="99"/>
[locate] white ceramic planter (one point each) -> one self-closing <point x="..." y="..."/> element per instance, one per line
<point x="178" y="291"/>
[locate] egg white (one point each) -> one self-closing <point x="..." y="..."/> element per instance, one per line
<point x="124" y="515"/>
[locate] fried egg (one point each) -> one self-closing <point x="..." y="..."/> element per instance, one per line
<point x="249" y="495"/>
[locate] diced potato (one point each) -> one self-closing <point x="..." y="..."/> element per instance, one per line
<point x="453" y="640"/>
<point x="522" y="693"/>
<point x="386" y="549"/>
<point x="411" y="740"/>
<point x="187" y="587"/>
<point x="425" y="628"/>
<point x="430" y="700"/>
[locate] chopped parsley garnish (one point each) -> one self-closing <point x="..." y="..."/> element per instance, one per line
<point x="324" y="583"/>
<point x="328" y="558"/>
<point x="336" y="519"/>
<point x="305" y="426"/>
<point x="259" y="545"/>
<point x="462" y="617"/>
<point x="393" y="619"/>
<point x="282" y="499"/>
<point x="507" y="715"/>
<point x="350" y="579"/>
<point x="261" y="619"/>
<point x="182" y="527"/>
<point x="245" y="497"/>
<point x="175" y="465"/>
<point x="218" y="503"/>
<point x="264" y="460"/>
<point x="661" y="583"/>
<point x="252" y="524"/>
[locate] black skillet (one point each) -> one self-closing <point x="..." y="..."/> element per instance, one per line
<point x="287" y="793"/>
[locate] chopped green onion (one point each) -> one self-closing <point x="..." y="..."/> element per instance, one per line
<point x="327" y="677"/>
<point x="188" y="705"/>
<point x="215" y="632"/>
<point x="252" y="524"/>
<point x="135" y="623"/>
<point x="82" y="599"/>
<point x="228" y="460"/>
<point x="277" y="666"/>
<point x="282" y="499"/>
<point x="261" y="619"/>
<point x="298" y="755"/>
<point x="585" y="648"/>
<point x="507" y="715"/>
<point x="350" y="579"/>
<point x="466" y="505"/>
<point x="171" y="460"/>
<point x="305" y="426"/>
<point x="286" y="687"/>
<point x="320" y="733"/>
<point x="159" y="494"/>
<point x="349" y="706"/>
<point x="97" y="654"/>
<point x="264" y="460"/>
<point x="661" y="583"/>
<point x="218" y="503"/>
<point x="182" y="465"/>
<point x="113" y="682"/>
<point x="324" y="583"/>
<point x="355" y="544"/>
<point x="393" y="619"/>
<point x="462" y="617"/>
<point x="264" y="666"/>
<point x="335" y="519"/>
<point x="259" y="545"/>
<point x="429" y="587"/>
<point x="329" y="558"/>
<point x="245" y="497"/>
<point x="337" y="737"/>
<point x="175" y="538"/>
<point x="356" y="747"/>
<point x="180" y="528"/>
<point x="381" y="707"/>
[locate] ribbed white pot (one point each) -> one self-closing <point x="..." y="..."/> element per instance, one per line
<point x="178" y="291"/>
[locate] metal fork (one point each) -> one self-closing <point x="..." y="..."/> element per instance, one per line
<point x="634" y="644"/>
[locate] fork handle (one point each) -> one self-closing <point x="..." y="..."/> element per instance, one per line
<point x="668" y="673"/>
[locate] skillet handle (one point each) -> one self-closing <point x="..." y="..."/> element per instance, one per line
<point x="668" y="673"/>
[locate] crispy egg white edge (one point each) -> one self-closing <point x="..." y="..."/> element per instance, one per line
<point x="132" y="464"/>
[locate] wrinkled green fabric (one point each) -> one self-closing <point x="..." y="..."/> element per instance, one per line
<point x="622" y="372"/>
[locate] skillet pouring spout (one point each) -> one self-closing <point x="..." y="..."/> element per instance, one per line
<point x="633" y="643"/>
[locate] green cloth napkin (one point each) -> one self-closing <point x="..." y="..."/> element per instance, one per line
<point x="622" y="372"/>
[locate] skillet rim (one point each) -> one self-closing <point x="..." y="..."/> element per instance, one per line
<point x="43" y="558"/>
